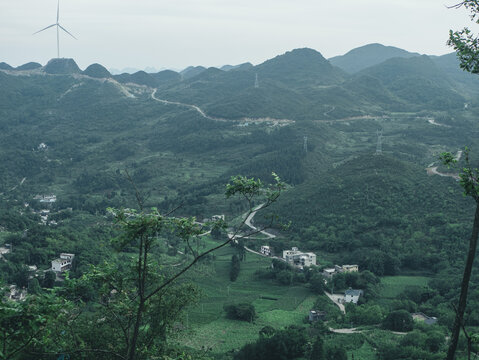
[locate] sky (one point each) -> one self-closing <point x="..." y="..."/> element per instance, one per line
<point x="178" y="33"/>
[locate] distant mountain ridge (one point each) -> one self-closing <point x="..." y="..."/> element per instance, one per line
<point x="301" y="84"/>
<point x="368" y="55"/>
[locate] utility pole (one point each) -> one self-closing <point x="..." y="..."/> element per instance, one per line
<point x="256" y="82"/>
<point x="379" y="146"/>
<point x="305" y="144"/>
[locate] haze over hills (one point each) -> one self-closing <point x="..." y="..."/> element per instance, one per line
<point x="356" y="138"/>
<point x="368" y="55"/>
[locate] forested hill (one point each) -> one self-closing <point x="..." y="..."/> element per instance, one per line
<point x="368" y="55"/>
<point x="302" y="85"/>
<point x="381" y="212"/>
<point x="94" y="125"/>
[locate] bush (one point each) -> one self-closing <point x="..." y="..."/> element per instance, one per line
<point x="284" y="344"/>
<point x="243" y="311"/>
<point x="235" y="268"/>
<point x="399" y="320"/>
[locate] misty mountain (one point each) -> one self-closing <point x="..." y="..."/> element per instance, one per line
<point x="192" y="71"/>
<point x="5" y="66"/>
<point x="97" y="71"/>
<point x="61" y="67"/>
<point x="243" y="66"/>
<point x="368" y="55"/>
<point x="417" y="80"/>
<point x="300" y="67"/>
<point x="29" y="66"/>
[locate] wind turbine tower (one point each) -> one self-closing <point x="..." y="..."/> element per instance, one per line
<point x="57" y="24"/>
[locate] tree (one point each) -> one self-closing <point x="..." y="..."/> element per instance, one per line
<point x="26" y="325"/>
<point x="243" y="311"/>
<point x="125" y="307"/>
<point x="317" y="283"/>
<point x="335" y="352"/>
<point x="468" y="179"/>
<point x="34" y="286"/>
<point x="49" y="279"/>
<point x="466" y="45"/>
<point x="317" y="351"/>
<point x="399" y="320"/>
<point x="235" y="268"/>
<point x="138" y="300"/>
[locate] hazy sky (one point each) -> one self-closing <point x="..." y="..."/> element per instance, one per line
<point x="178" y="33"/>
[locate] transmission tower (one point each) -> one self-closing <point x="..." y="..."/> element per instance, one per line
<point x="379" y="146"/>
<point x="305" y="144"/>
<point x="256" y="82"/>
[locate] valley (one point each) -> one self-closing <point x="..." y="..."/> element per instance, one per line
<point x="95" y="141"/>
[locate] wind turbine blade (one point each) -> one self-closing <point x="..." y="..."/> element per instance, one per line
<point x="48" y="27"/>
<point x="61" y="27"/>
<point x="58" y="11"/>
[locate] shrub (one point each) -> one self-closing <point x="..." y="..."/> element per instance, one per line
<point x="243" y="311"/>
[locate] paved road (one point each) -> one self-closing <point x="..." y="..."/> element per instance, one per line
<point x="433" y="171"/>
<point x="251" y="216"/>
<point x="203" y="114"/>
<point x="334" y="298"/>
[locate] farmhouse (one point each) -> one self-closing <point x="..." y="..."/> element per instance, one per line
<point x="315" y="315"/>
<point x="352" y="296"/>
<point x="265" y="250"/>
<point x="63" y="263"/>
<point x="328" y="273"/>
<point x="299" y="258"/>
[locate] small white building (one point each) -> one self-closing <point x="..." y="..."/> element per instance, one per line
<point x="352" y="296"/>
<point x="63" y="263"/>
<point x="265" y="250"/>
<point x="46" y="199"/>
<point x="299" y="258"/>
<point x="328" y="273"/>
<point x="350" y="268"/>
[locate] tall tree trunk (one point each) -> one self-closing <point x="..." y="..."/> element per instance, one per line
<point x="136" y="330"/>
<point x="464" y="287"/>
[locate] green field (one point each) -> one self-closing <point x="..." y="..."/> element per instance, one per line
<point x="276" y="305"/>
<point x="392" y="286"/>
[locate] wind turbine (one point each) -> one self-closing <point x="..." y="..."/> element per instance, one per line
<point x="57" y="24"/>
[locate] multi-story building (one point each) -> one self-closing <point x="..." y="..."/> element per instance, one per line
<point x="299" y="258"/>
<point x="63" y="263"/>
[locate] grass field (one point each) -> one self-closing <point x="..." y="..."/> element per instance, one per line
<point x="276" y="305"/>
<point x="392" y="286"/>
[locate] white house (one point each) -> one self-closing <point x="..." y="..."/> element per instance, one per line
<point x="265" y="250"/>
<point x="352" y="296"/>
<point x="350" y="268"/>
<point x="63" y="263"/>
<point x="299" y="258"/>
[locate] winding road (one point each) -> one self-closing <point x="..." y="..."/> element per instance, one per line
<point x="274" y="122"/>
<point x="432" y="170"/>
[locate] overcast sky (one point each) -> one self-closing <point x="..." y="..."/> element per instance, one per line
<point x="178" y="33"/>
